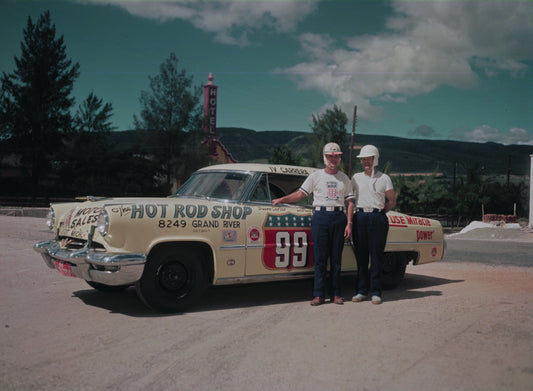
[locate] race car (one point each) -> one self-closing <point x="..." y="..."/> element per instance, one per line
<point x="219" y="228"/>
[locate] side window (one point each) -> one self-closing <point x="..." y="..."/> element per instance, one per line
<point x="260" y="194"/>
<point x="275" y="191"/>
<point x="266" y="191"/>
<point x="272" y="186"/>
<point x="281" y="185"/>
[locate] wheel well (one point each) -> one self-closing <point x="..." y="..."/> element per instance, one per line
<point x="202" y="250"/>
<point x="412" y="256"/>
<point x="408" y="256"/>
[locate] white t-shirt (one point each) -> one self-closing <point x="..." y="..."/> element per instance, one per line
<point x="328" y="189"/>
<point x="370" y="191"/>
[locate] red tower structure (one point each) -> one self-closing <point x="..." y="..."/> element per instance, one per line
<point x="210" y="107"/>
<point x="217" y="151"/>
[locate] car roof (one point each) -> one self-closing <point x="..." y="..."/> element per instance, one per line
<point x="259" y="167"/>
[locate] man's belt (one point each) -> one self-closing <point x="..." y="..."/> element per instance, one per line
<point x="329" y="208"/>
<point x="370" y="210"/>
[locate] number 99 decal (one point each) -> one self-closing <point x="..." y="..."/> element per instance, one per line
<point x="287" y="249"/>
<point x="291" y="252"/>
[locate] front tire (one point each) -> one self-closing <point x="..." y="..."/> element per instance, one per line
<point x="393" y="269"/>
<point x="173" y="279"/>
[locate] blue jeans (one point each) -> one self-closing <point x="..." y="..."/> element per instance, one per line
<point x="327" y="229"/>
<point x="369" y="236"/>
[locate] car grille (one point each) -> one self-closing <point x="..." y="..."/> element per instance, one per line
<point x="76" y="244"/>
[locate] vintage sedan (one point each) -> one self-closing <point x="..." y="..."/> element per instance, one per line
<point x="218" y="228"/>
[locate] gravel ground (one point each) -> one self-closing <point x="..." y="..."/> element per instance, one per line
<point x="449" y="326"/>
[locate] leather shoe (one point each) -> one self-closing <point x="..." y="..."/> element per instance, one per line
<point x="317" y="301"/>
<point x="338" y="300"/>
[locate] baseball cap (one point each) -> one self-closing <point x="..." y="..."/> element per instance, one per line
<point x="332" y="149"/>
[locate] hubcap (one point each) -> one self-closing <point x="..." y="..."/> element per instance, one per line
<point x="173" y="276"/>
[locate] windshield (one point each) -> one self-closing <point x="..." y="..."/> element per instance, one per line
<point x="221" y="185"/>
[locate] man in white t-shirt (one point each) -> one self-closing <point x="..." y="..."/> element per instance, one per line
<point x="374" y="197"/>
<point x="332" y="191"/>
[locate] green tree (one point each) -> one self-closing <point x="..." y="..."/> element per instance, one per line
<point x="92" y="116"/>
<point x="171" y="113"/>
<point x="422" y="195"/>
<point x="433" y="196"/>
<point x="387" y="167"/>
<point x="502" y="198"/>
<point x="35" y="99"/>
<point x="89" y="148"/>
<point x="406" y="189"/>
<point x="194" y="155"/>
<point x="283" y="155"/>
<point x="327" y="127"/>
<point x="471" y="193"/>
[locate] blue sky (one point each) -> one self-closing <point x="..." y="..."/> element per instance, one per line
<point x="452" y="69"/>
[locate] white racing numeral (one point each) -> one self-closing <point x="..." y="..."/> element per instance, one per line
<point x="285" y="248"/>
<point x="299" y="258"/>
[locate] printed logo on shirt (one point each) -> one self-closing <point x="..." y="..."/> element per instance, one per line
<point x="333" y="193"/>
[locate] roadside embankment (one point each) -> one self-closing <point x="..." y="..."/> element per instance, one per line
<point x="23" y="212"/>
<point x="478" y="230"/>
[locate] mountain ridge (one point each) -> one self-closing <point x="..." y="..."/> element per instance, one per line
<point x="405" y="155"/>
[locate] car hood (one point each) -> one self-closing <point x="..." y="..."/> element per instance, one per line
<point x="76" y="220"/>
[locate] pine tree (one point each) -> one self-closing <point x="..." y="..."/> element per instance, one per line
<point x="329" y="127"/>
<point x="35" y="99"/>
<point x="92" y="117"/>
<point x="171" y="114"/>
<point x="283" y="155"/>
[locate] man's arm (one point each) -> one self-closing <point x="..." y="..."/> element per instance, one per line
<point x="290" y="198"/>
<point x="391" y="200"/>
<point x="349" y="215"/>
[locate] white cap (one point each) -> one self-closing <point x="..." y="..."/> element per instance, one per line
<point x="332" y="149"/>
<point x="367" y="151"/>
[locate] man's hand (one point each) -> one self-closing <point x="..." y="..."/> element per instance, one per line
<point x="348" y="231"/>
<point x="276" y="201"/>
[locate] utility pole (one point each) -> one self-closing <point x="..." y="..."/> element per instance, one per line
<point x="454" y="174"/>
<point x="508" y="169"/>
<point x="351" y="144"/>
<point x="531" y="193"/>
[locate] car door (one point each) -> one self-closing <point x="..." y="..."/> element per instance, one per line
<point x="278" y="239"/>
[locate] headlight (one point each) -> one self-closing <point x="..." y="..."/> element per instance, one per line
<point x="102" y="224"/>
<point x="50" y="218"/>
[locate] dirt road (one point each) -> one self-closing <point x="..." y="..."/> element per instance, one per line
<point x="450" y="326"/>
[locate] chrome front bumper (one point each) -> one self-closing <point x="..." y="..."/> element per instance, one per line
<point x="91" y="265"/>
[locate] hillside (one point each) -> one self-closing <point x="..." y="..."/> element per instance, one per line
<point x="405" y="155"/>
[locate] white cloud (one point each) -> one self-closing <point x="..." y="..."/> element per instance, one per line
<point x="426" y="45"/>
<point x="486" y="133"/>
<point x="229" y="21"/>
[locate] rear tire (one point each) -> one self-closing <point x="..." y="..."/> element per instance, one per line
<point x="393" y="269"/>
<point x="173" y="279"/>
<point x="107" y="288"/>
